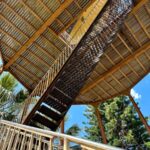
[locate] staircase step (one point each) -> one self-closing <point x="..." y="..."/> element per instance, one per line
<point x="50" y="113"/>
<point x="52" y="102"/>
<point x="60" y="96"/>
<point x="44" y="121"/>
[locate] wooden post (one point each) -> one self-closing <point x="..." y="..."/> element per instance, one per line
<point x="51" y="144"/>
<point x="62" y="130"/>
<point x="66" y="144"/>
<point x="139" y="113"/>
<point x="100" y="123"/>
<point x="62" y="126"/>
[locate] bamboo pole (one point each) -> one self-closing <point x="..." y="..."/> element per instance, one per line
<point x="139" y="113"/>
<point x="100" y="123"/>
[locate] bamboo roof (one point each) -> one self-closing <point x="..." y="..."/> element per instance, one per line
<point x="125" y="61"/>
<point x="31" y="41"/>
<point x="30" y="30"/>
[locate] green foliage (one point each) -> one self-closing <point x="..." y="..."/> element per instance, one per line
<point x="10" y="103"/>
<point x="21" y="96"/>
<point x="123" y="127"/>
<point x="91" y="127"/>
<point x="8" y="82"/>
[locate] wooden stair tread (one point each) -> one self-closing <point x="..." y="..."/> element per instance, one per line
<point x="50" y="113"/>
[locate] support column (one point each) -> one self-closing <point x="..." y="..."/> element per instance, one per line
<point x="62" y="126"/>
<point x="139" y="113"/>
<point x="100" y="123"/>
<point x="62" y="130"/>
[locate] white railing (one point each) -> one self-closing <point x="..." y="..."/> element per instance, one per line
<point x="56" y="67"/>
<point x="15" y="136"/>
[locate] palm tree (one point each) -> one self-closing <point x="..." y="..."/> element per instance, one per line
<point x="7" y="87"/>
<point x="10" y="103"/>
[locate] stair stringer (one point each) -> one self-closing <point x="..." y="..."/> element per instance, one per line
<point x="71" y="78"/>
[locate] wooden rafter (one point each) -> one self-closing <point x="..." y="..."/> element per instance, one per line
<point x="23" y="34"/>
<point x="33" y="27"/>
<point x="115" y="68"/>
<point x="29" y="51"/>
<point x="38" y="32"/>
<point x="117" y="94"/>
<point x="77" y="16"/>
<point x="31" y="63"/>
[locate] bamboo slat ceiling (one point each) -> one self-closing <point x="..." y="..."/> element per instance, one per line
<point x="29" y="35"/>
<point x="125" y="62"/>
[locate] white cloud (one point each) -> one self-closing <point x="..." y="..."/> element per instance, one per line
<point x="135" y="94"/>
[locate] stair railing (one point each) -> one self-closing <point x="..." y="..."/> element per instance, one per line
<point x="56" y="67"/>
<point x="21" y="137"/>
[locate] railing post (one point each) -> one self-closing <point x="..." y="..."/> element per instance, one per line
<point x="7" y="135"/>
<point x="66" y="144"/>
<point x="51" y="144"/>
<point x="100" y="123"/>
<point x="31" y="142"/>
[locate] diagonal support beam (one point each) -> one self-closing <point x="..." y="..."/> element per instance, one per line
<point x="39" y="32"/>
<point x="139" y="113"/>
<point x="116" y="67"/>
<point x="100" y="123"/>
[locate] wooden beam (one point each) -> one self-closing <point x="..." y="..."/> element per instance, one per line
<point x="36" y="44"/>
<point x="34" y="65"/>
<point x="100" y="123"/>
<point x="76" y="17"/>
<point x="116" y="67"/>
<point x="62" y="130"/>
<point x="39" y="32"/>
<point x="122" y="93"/>
<point x="139" y="113"/>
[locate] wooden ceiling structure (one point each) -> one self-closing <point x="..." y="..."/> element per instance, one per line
<point x="125" y="61"/>
<point x="30" y="30"/>
<point x="31" y="41"/>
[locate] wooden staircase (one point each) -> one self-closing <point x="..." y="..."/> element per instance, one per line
<point x="57" y="90"/>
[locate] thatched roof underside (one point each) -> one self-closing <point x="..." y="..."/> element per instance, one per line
<point x="28" y="52"/>
<point x="125" y="62"/>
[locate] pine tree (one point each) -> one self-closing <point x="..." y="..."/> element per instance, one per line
<point x="123" y="127"/>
